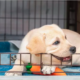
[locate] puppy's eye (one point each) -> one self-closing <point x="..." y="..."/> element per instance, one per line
<point x="56" y="43"/>
<point x="65" y="37"/>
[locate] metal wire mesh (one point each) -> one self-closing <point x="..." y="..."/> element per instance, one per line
<point x="17" y="17"/>
<point x="41" y="62"/>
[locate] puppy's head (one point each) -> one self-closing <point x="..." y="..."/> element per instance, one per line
<point x="51" y="39"/>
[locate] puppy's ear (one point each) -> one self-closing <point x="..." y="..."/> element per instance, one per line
<point x="37" y="44"/>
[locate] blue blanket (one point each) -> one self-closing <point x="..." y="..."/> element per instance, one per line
<point x="5" y="58"/>
<point x="5" y="47"/>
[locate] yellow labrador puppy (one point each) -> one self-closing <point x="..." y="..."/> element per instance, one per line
<point x="46" y="39"/>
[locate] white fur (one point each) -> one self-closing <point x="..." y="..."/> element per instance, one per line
<point x="48" y="69"/>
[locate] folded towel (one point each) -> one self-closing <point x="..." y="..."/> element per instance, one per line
<point x="73" y="70"/>
<point x="4" y="47"/>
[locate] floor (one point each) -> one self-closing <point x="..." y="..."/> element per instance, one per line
<point x="41" y="78"/>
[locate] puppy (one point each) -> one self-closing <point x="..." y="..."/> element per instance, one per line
<point x="48" y="39"/>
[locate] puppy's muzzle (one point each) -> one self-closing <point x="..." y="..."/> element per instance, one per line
<point x="73" y="49"/>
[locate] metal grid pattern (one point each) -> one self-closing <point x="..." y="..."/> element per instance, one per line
<point x="41" y="62"/>
<point x="51" y="55"/>
<point x="17" y="17"/>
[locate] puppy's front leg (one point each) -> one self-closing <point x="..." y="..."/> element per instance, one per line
<point x="15" y="69"/>
<point x="48" y="69"/>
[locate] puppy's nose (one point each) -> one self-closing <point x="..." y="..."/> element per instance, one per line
<point x="73" y="49"/>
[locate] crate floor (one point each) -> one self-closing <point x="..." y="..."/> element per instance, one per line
<point x="6" y="68"/>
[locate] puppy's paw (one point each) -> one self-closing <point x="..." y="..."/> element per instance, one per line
<point x="14" y="73"/>
<point x="48" y="69"/>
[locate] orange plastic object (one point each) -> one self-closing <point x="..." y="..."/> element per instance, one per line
<point x="36" y="69"/>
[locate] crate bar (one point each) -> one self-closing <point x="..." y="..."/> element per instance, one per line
<point x="34" y="72"/>
<point x="32" y="18"/>
<point x="52" y="10"/>
<point x="11" y="17"/>
<point x="10" y="59"/>
<point x="20" y="59"/>
<point x="61" y="63"/>
<point x="5" y="22"/>
<point x="17" y="17"/>
<point x="51" y="59"/>
<point x="41" y="60"/>
<point x="40" y="13"/>
<point x="30" y="53"/>
<point x="46" y="11"/>
<point x="71" y="60"/>
<point x="31" y="58"/>
<point x="35" y="14"/>
<point x="64" y="14"/>
<point x="22" y="17"/>
<point x="38" y="65"/>
<point x="58" y="11"/>
<point x="29" y="15"/>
